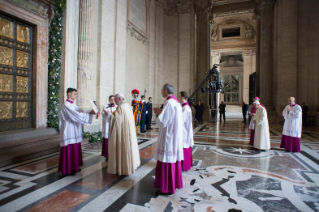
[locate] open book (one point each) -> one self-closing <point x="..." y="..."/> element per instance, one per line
<point x="94" y="107"/>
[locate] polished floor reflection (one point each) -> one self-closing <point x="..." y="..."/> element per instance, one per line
<point x="228" y="175"/>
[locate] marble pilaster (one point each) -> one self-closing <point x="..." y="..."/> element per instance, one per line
<point x="69" y="48"/>
<point x="265" y="50"/>
<point x="202" y="54"/>
<point x="85" y="54"/>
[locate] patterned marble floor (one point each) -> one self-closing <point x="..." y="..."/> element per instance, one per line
<point x="228" y="175"/>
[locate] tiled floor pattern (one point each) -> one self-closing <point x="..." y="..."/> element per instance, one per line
<point x="228" y="175"/>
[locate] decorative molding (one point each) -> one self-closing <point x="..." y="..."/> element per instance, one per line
<point x="134" y="33"/>
<point x="170" y="10"/>
<point x="249" y="52"/>
<point x="203" y="6"/>
<point x="247" y="29"/>
<point x="234" y="13"/>
<point x="223" y="2"/>
<point x="32" y="6"/>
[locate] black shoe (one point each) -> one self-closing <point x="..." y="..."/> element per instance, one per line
<point x="158" y="192"/>
<point x="143" y="131"/>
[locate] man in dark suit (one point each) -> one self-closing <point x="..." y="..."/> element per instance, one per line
<point x="222" y="111"/>
<point x="149" y="113"/>
<point x="304" y="114"/>
<point x="244" y="109"/>
<point x="143" y="115"/>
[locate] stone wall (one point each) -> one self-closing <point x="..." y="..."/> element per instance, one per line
<point x="123" y="60"/>
<point x="296" y="53"/>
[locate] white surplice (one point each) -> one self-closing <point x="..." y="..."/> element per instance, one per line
<point x="106" y="120"/>
<point x="293" y="121"/>
<point x="169" y="147"/>
<point x="262" y="137"/>
<point x="71" y="120"/>
<point x="188" y="127"/>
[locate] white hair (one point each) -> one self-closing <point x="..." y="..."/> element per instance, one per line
<point x="120" y="95"/>
<point x="256" y="102"/>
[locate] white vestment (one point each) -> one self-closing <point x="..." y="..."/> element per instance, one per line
<point x="293" y="121"/>
<point x="106" y="120"/>
<point x="251" y="123"/>
<point x="262" y="137"/>
<point x="188" y="127"/>
<point x="124" y="157"/>
<point x="169" y="147"/>
<point x="71" y="120"/>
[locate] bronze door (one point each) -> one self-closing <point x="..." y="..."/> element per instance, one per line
<point x="15" y="74"/>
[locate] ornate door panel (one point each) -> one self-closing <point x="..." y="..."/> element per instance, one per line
<point x="15" y="74"/>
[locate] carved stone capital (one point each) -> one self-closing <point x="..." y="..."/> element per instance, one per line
<point x="263" y="3"/>
<point x="170" y="10"/>
<point x="185" y="8"/>
<point x="203" y="6"/>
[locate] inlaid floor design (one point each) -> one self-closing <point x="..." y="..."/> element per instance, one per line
<point x="228" y="175"/>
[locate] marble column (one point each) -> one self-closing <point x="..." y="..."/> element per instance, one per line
<point x="85" y="54"/>
<point x="69" y="48"/>
<point x="265" y="50"/>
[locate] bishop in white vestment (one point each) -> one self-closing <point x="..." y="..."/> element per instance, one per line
<point x="262" y="137"/>
<point x="110" y="108"/>
<point x="188" y="140"/>
<point x="71" y="120"/>
<point x="124" y="157"/>
<point x="291" y="133"/>
<point x="169" y="147"/>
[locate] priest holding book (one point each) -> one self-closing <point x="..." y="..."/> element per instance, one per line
<point x="71" y="120"/>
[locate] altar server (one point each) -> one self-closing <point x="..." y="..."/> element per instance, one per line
<point x="187" y="132"/>
<point x="169" y="147"/>
<point x="124" y="157"/>
<point x="291" y="133"/>
<point x="262" y="137"/>
<point x="111" y="107"/>
<point x="71" y="120"/>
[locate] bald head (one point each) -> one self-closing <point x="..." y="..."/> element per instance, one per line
<point x="291" y="100"/>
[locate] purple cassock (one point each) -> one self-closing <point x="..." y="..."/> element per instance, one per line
<point x="169" y="147"/>
<point x="71" y="120"/>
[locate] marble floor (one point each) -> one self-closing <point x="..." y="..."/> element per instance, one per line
<point x="228" y="175"/>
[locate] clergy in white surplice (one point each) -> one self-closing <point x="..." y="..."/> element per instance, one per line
<point x="169" y="147"/>
<point x="291" y="132"/>
<point x="124" y="157"/>
<point x="188" y="140"/>
<point x="262" y="137"/>
<point x="110" y="108"/>
<point x="71" y="120"/>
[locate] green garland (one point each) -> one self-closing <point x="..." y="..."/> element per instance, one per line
<point x="93" y="136"/>
<point x="54" y="65"/>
